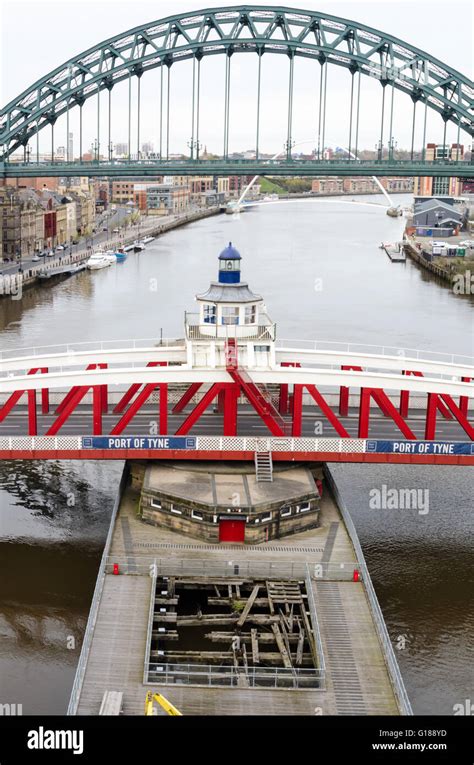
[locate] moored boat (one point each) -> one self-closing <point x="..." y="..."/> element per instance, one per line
<point x="98" y="260"/>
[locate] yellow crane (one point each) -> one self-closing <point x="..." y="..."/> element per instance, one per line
<point x="162" y="701"/>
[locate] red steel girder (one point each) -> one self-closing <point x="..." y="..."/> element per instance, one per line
<point x="464" y="400"/>
<point x="71" y="394"/>
<point x="284" y="399"/>
<point x="388" y="409"/>
<point x="144" y="394"/>
<point x="323" y="405"/>
<point x="186" y="397"/>
<point x="200" y="408"/>
<point x="134" y="388"/>
<point x="344" y="392"/>
<point x="405" y="398"/>
<point x="434" y="405"/>
<point x="14" y="398"/>
<point x="259" y="399"/>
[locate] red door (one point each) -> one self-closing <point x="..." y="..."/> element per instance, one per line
<point x="231" y="530"/>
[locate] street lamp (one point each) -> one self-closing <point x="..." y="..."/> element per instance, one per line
<point x="192" y="145"/>
<point x="392" y="145"/>
<point x="379" y="147"/>
<point x="95" y="149"/>
<point x="288" y="145"/>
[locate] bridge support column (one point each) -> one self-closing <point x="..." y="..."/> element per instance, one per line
<point x="97" y="409"/>
<point x="344" y="393"/>
<point x="163" y="409"/>
<point x="464" y="400"/>
<point x="405" y="399"/>
<point x="284" y="398"/>
<point x="297" y="411"/>
<point x="32" y="414"/>
<point x="436" y="402"/>
<point x="231" y="396"/>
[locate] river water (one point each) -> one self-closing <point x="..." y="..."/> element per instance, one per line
<point x="318" y="265"/>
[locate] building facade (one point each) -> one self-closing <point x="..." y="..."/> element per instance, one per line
<point x="438" y="186"/>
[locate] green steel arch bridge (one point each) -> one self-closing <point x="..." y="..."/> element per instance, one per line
<point x="324" y="39"/>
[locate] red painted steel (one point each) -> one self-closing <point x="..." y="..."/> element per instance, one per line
<point x="405" y="398"/>
<point x="71" y="394"/>
<point x="186" y="397"/>
<point x="284" y="399"/>
<point x="143" y="396"/>
<point x="182" y="454"/>
<point x="134" y="388"/>
<point x="464" y="400"/>
<point x="344" y="392"/>
<point x="32" y="415"/>
<point x="199" y="409"/>
<point x="435" y="402"/>
<point x="15" y="397"/>
<point x="257" y="396"/>
<point x="383" y="401"/>
<point x="74" y="400"/>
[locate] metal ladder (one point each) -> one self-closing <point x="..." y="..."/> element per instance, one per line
<point x="263" y="466"/>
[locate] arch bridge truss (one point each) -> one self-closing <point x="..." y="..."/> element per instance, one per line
<point x="325" y="39"/>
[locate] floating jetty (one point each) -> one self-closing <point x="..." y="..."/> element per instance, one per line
<point x="68" y="270"/>
<point x="395" y="252"/>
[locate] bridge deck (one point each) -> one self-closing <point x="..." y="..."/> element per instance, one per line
<point x="357" y="678"/>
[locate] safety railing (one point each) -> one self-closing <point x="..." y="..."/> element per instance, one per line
<point x="384" y="637"/>
<point x="233" y="677"/>
<point x="94" y="609"/>
<point x="144" y="565"/>
<point x="380" y="350"/>
<point x="87" y="345"/>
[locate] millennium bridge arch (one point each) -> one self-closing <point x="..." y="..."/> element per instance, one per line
<point x="261" y="30"/>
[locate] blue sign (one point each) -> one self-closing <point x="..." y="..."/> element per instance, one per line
<point x="439" y="448"/>
<point x="139" y="442"/>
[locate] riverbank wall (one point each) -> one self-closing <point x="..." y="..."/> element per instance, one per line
<point x="12" y="285"/>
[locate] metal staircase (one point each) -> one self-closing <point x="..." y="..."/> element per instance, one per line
<point x="258" y="396"/>
<point x="263" y="466"/>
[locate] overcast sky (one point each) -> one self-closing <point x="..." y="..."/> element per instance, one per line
<point x="39" y="36"/>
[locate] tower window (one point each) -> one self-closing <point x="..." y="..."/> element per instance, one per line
<point x="250" y="314"/>
<point x="209" y="314"/>
<point x="230" y="314"/>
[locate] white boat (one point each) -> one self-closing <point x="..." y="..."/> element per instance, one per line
<point x="147" y="239"/>
<point x="110" y="255"/>
<point x="138" y="245"/>
<point x="98" y="260"/>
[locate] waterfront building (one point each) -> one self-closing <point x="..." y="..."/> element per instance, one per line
<point x="164" y="199"/>
<point x="435" y="214"/>
<point x="437" y="186"/>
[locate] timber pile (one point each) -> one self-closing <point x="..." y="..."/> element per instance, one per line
<point x="252" y="624"/>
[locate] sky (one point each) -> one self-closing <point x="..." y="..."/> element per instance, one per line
<point x="38" y="36"/>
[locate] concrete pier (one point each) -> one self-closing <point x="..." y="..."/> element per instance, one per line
<point x="360" y="671"/>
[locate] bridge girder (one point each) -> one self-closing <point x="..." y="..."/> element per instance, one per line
<point x="283" y="167"/>
<point x="272" y="29"/>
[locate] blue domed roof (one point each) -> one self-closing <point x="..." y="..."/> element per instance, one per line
<point x="230" y="253"/>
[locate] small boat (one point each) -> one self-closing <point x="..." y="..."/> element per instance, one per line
<point x="138" y="245"/>
<point x="110" y="254"/>
<point x="147" y="239"/>
<point x="98" y="260"/>
<point x="232" y="208"/>
<point x="121" y="256"/>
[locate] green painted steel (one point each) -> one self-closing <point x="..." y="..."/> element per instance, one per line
<point x="124" y="168"/>
<point x="260" y="29"/>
